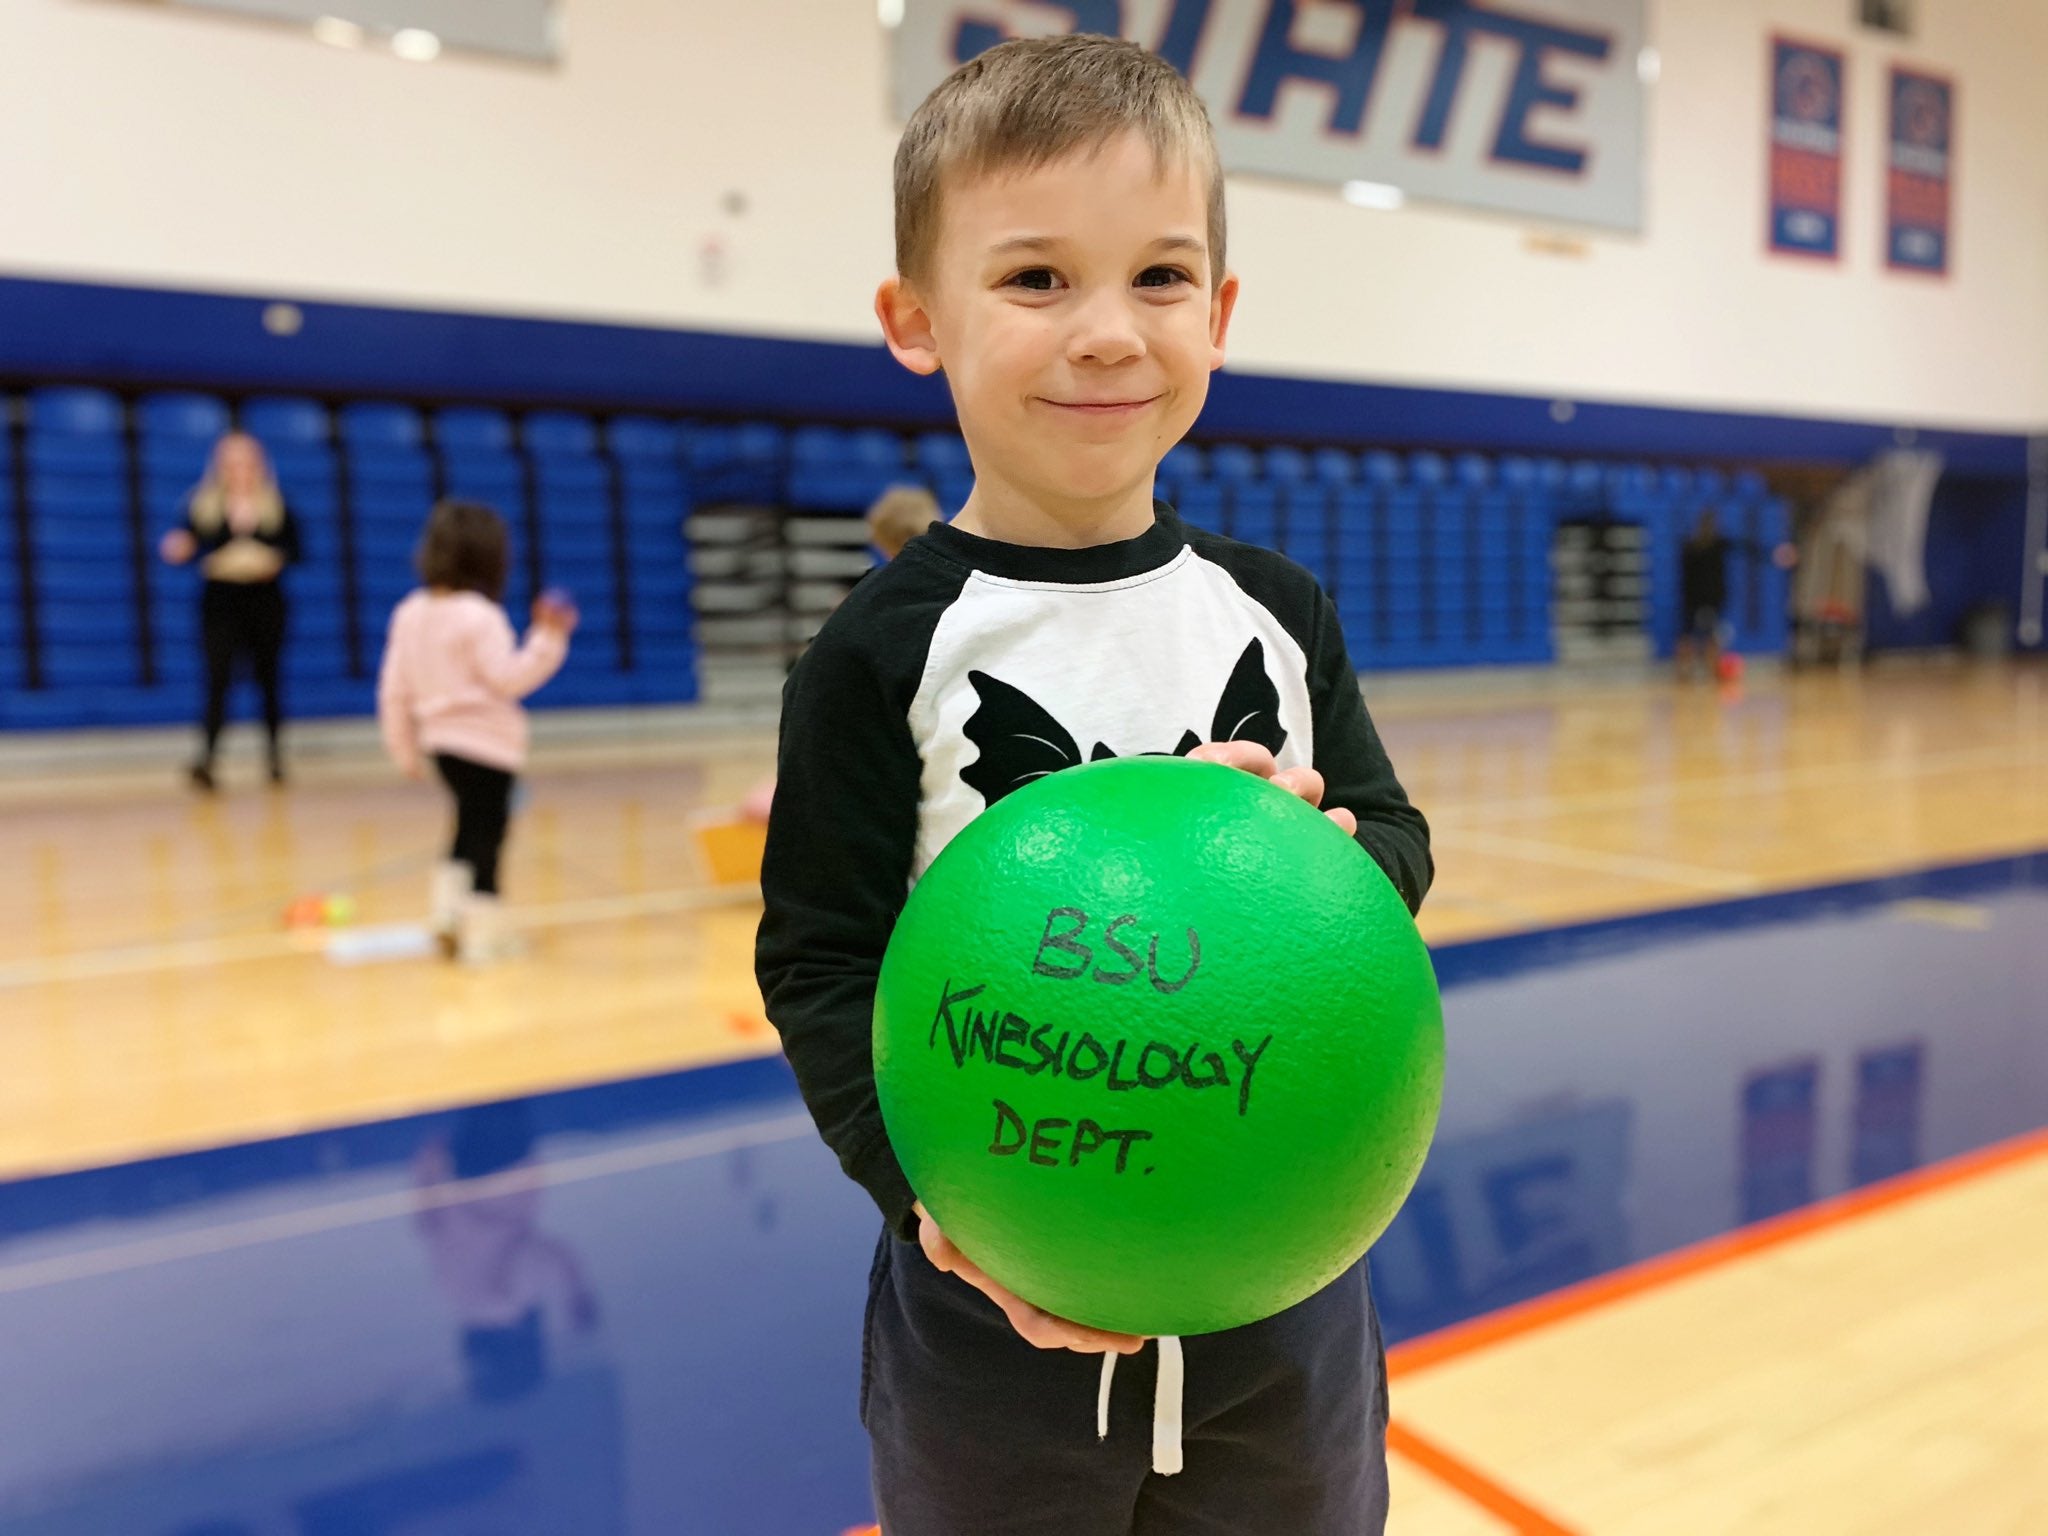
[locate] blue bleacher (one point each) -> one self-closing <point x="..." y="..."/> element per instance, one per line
<point x="942" y="461"/>
<point x="942" y="453"/>
<point x="1308" y="507"/>
<point x="575" y="501"/>
<point x="1285" y="465"/>
<point x="1200" y="504"/>
<point x="657" y="495"/>
<point x="1334" y="466"/>
<point x="1428" y="470"/>
<point x="742" y="463"/>
<point x="635" y="643"/>
<point x="77" y="459"/>
<point x="1432" y="559"/>
<point x="296" y="434"/>
<point x="389" y="480"/>
<point x="1183" y="467"/>
<point x="1233" y="464"/>
<point x="1252" y="512"/>
<point x="834" y="470"/>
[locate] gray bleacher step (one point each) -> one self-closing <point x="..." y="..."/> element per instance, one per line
<point x="847" y="532"/>
<point x="734" y="596"/>
<point x="719" y="562"/>
<point x="830" y="564"/>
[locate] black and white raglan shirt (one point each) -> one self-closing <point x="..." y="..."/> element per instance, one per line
<point x="967" y="668"/>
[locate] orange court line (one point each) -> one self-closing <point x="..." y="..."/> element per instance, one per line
<point x="1460" y="1339"/>
<point x="1523" y="1519"/>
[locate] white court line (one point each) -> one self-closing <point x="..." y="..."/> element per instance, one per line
<point x="191" y="954"/>
<point x="1657" y="871"/>
<point x="226" y="1237"/>
<point x="1446" y="817"/>
<point x="1771" y="780"/>
<point x="145" y="958"/>
<point x="601" y="909"/>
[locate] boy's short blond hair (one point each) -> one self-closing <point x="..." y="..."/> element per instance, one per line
<point x="899" y="515"/>
<point x="1029" y="101"/>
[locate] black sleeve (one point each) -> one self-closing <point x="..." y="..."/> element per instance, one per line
<point x="1354" y="766"/>
<point x="841" y="839"/>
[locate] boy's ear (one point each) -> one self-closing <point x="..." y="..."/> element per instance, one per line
<point x="1222" y="304"/>
<point x="906" y="326"/>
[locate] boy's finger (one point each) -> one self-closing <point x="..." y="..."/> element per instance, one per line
<point x="1344" y="819"/>
<point x="1305" y="782"/>
<point x="1036" y="1326"/>
<point x="1044" y="1331"/>
<point x="1098" y="1341"/>
<point x="1248" y="755"/>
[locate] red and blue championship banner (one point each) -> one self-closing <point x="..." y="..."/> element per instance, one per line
<point x="1806" y="149"/>
<point x="1920" y="151"/>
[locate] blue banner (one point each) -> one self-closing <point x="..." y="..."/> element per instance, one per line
<point x="1806" y="149"/>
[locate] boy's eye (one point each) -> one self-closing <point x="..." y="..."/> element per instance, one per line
<point x="1162" y="277"/>
<point x="1037" y="279"/>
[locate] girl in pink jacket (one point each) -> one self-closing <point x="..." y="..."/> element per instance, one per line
<point x="450" y="687"/>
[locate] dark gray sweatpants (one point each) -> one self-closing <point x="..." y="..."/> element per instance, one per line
<point x="976" y="1433"/>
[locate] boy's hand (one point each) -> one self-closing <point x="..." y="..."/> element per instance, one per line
<point x="1253" y="758"/>
<point x="1034" y="1325"/>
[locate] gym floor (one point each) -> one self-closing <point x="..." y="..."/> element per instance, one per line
<point x="1733" y="1221"/>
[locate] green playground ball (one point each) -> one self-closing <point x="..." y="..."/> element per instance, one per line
<point x="1158" y="1046"/>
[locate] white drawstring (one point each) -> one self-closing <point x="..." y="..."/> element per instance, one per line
<point x="1166" y="1398"/>
<point x="1166" y="1404"/>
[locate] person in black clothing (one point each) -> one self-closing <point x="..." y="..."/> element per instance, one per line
<point x="1703" y="593"/>
<point x="1063" y="617"/>
<point x="239" y="529"/>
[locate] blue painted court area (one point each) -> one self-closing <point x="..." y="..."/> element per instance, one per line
<point x="637" y="1308"/>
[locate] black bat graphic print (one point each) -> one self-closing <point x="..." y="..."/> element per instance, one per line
<point x="1021" y="741"/>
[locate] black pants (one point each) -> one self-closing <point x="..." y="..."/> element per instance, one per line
<point x="238" y="619"/>
<point x="976" y="1433"/>
<point x="483" y="814"/>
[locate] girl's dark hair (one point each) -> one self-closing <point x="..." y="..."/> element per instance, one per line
<point x="464" y="549"/>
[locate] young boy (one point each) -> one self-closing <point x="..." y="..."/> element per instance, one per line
<point x="1059" y="247"/>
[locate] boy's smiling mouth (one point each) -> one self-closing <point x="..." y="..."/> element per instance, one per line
<point x="1102" y="407"/>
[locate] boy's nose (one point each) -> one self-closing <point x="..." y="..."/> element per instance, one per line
<point x="1105" y="332"/>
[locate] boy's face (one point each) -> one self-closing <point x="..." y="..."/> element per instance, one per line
<point x="1074" y="312"/>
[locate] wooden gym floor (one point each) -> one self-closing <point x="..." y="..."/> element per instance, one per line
<point x="153" y="1001"/>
